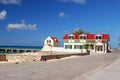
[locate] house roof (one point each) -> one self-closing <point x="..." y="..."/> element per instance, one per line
<point x="106" y="36"/>
<point x="65" y="37"/>
<point x="54" y="39"/>
<point x="88" y="36"/>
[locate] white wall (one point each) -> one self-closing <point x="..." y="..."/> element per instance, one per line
<point x="83" y="41"/>
<point x="76" y="50"/>
<point x="46" y="48"/>
<point x="73" y="44"/>
<point x="58" y="49"/>
<point x="61" y="49"/>
<point x="48" y="38"/>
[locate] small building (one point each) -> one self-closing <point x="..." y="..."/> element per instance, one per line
<point x="87" y="42"/>
<point x="50" y="43"/>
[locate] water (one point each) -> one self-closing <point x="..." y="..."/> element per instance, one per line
<point x="20" y="47"/>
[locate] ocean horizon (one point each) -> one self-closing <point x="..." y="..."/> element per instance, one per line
<point x="20" y="47"/>
<point x="23" y="47"/>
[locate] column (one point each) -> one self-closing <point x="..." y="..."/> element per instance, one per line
<point x="105" y="47"/>
<point x="94" y="48"/>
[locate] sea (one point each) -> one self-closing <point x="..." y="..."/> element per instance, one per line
<point x="20" y="47"/>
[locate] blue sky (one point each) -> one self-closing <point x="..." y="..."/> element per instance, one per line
<point x="29" y="22"/>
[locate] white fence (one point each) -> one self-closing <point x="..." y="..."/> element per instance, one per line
<point x="61" y="49"/>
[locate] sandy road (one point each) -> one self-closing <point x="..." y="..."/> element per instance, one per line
<point x="79" y="68"/>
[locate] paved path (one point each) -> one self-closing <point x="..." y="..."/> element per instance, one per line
<point x="79" y="68"/>
<point x="111" y="72"/>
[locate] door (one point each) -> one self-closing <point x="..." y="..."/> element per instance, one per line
<point x="99" y="49"/>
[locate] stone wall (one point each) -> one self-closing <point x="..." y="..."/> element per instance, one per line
<point x="23" y="57"/>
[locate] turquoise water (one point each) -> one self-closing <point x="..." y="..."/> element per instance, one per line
<point x="20" y="47"/>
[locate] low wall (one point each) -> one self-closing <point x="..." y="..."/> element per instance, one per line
<point x="3" y="57"/>
<point x="61" y="49"/>
<point x="46" y="48"/>
<point x="22" y="57"/>
<point x="58" y="49"/>
<point x="58" y="56"/>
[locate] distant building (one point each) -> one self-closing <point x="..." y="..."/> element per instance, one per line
<point x="87" y="42"/>
<point x="50" y="43"/>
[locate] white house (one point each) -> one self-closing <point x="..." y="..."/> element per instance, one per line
<point x="79" y="43"/>
<point x="52" y="41"/>
<point x="49" y="43"/>
<point x="97" y="43"/>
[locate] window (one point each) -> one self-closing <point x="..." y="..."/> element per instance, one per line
<point x="99" y="37"/>
<point x="48" y="41"/>
<point x="71" y="37"/>
<point x="99" y="48"/>
<point x="78" y="47"/>
<point x="82" y="37"/>
<point x="81" y="46"/>
<point x="68" y="46"/>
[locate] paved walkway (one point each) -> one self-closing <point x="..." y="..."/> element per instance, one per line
<point x="111" y="72"/>
<point x="78" y="68"/>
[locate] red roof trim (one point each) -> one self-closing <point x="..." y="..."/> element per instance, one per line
<point x="65" y="37"/>
<point x="54" y="39"/>
<point x="88" y="36"/>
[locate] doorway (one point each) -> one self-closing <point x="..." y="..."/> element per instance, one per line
<point x="98" y="49"/>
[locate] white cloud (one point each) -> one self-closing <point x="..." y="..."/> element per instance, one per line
<point x="75" y="1"/>
<point x="80" y="1"/>
<point x="64" y="0"/>
<point x="10" y="1"/>
<point x="22" y="26"/>
<point x="63" y="15"/>
<point x="3" y="14"/>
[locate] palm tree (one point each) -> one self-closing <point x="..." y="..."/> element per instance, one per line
<point x="87" y="46"/>
<point x="78" y="31"/>
<point x="91" y="46"/>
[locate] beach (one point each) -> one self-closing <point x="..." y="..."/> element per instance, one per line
<point x="75" y="68"/>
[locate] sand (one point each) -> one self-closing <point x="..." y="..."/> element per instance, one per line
<point x="74" y="68"/>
